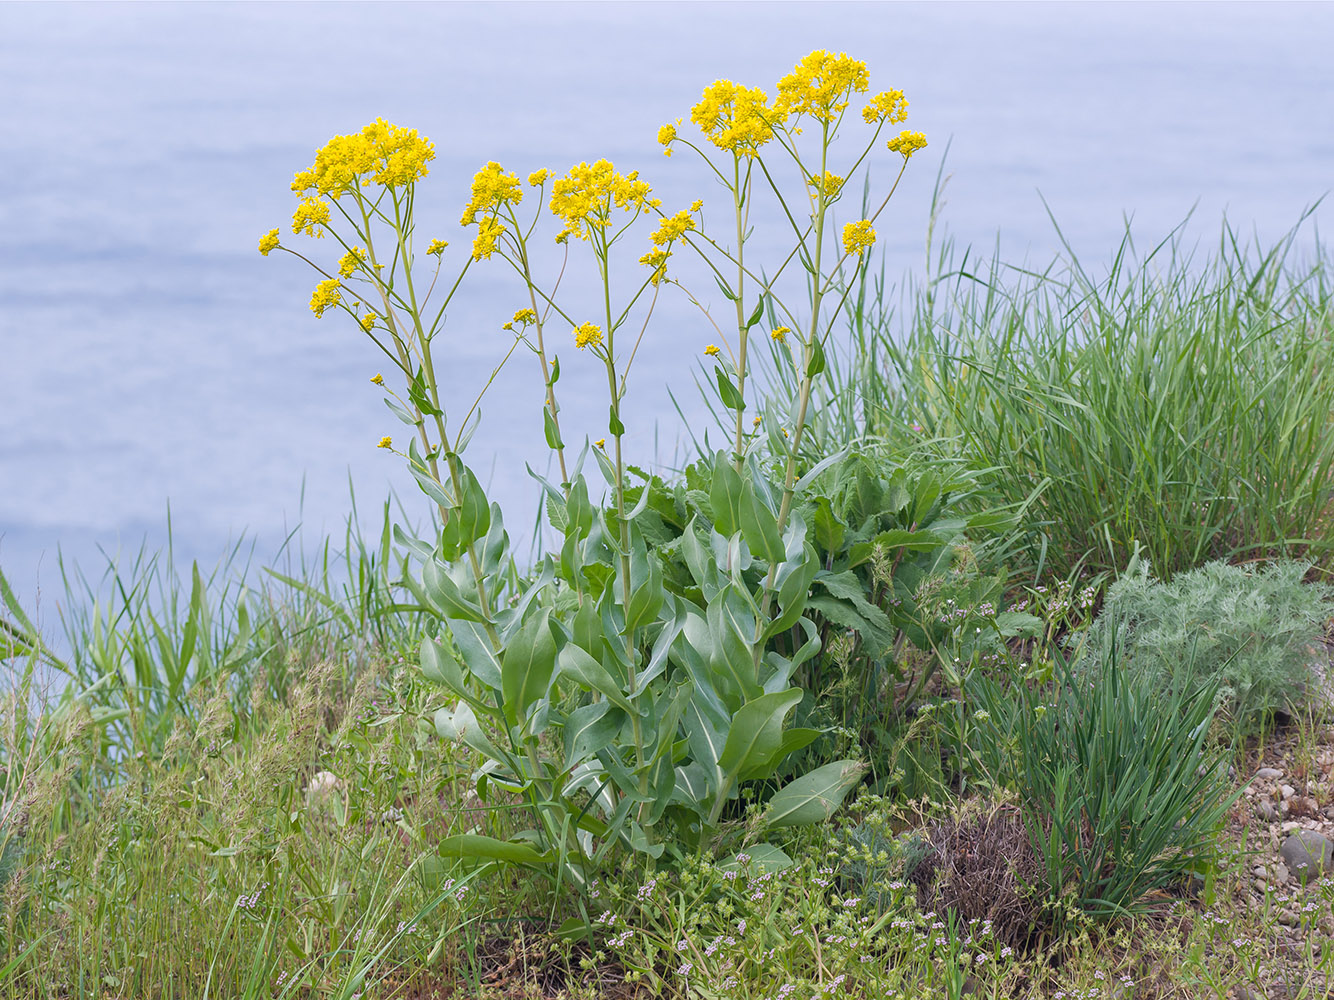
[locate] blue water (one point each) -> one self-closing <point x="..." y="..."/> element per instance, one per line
<point x="149" y="356"/>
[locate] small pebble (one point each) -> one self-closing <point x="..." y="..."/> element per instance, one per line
<point x="1287" y="791"/>
<point x="1268" y="772"/>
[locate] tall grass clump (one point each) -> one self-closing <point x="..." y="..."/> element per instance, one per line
<point x="139" y="639"/>
<point x="1178" y="404"/>
<point x="1121" y="790"/>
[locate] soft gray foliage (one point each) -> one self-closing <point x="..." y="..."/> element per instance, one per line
<point x="1256" y="630"/>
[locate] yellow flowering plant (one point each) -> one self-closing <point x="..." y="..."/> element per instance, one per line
<point x="744" y="124"/>
<point x="642" y="672"/>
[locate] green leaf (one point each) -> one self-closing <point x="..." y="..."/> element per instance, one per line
<point x="474" y="645"/>
<point x="727" y="392"/>
<point x="756" y="733"/>
<point x="590" y="728"/>
<point x="415" y="545"/>
<point x="459" y="725"/>
<point x="551" y="430"/>
<point x="402" y="414"/>
<point x="792" y="740"/>
<point x="759" y="858"/>
<point x="725" y="491"/>
<point x="473" y="512"/>
<point x="433" y="872"/>
<point x="556" y="514"/>
<point x="555" y="370"/>
<point x="877" y="636"/>
<point x="646" y="593"/>
<point x="759" y="527"/>
<point x="727" y="292"/>
<point x="614" y="423"/>
<point x="472" y="845"/>
<point x="431" y="487"/>
<point x="1019" y="624"/>
<point x="814" y="797"/>
<point x="445" y="597"/>
<point x="755" y="316"/>
<point x="793" y="593"/>
<point x="576" y="663"/>
<point x="829" y="529"/>
<point x="816" y="364"/>
<point x="439" y="666"/>
<point x="526" y="666"/>
<point x="417" y="393"/>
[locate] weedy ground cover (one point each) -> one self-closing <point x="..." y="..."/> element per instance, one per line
<point x="795" y="721"/>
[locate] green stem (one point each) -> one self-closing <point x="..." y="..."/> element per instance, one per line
<point x="623" y="524"/>
<point x="743" y="332"/>
<point x="807" y="380"/>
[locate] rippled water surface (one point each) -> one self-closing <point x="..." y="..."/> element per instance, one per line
<point x="150" y="356"/>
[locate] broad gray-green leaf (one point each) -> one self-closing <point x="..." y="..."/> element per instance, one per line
<point x="589" y="729"/>
<point x="439" y="665"/>
<point x="527" y="664"/>
<point x="756" y="733"/>
<point x="444" y="594"/>
<point x="474" y="645"/>
<point x="758" y="858"/>
<point x="576" y="663"/>
<point x="472" y="845"/>
<point x="459" y="725"/>
<point x="814" y="797"/>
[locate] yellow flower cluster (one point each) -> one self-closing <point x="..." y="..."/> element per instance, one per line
<point x="326" y="294"/>
<point x="268" y="242"/>
<point x="889" y="106"/>
<point x="350" y="261"/>
<point x="696" y="205"/>
<point x="734" y="118"/>
<point x="385" y="442"/>
<point x="491" y="188"/>
<point x="587" y="335"/>
<point x="819" y="86"/>
<point x="525" y="316"/>
<point x="437" y="247"/>
<point x="828" y="186"/>
<point x="585" y="196"/>
<point x="488" y="231"/>
<point x="672" y="227"/>
<point x="907" y="143"/>
<point x="780" y="334"/>
<point x="538" y="177"/>
<point x="667" y="136"/>
<point x="377" y="378"/>
<point x="656" y="259"/>
<point x="381" y="153"/>
<point x="858" y="237"/>
<point x="310" y="217"/>
<point x="712" y="350"/>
